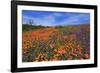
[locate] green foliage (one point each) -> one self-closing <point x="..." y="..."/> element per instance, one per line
<point x="26" y="27"/>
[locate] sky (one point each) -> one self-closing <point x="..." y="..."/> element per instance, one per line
<point x="47" y="18"/>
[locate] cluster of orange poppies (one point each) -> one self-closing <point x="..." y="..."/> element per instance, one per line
<point x="53" y="45"/>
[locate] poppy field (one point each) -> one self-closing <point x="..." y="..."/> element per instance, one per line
<point x="55" y="43"/>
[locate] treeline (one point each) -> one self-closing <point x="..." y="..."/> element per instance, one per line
<point x="26" y="27"/>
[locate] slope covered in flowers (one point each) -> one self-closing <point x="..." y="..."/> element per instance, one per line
<point x="56" y="44"/>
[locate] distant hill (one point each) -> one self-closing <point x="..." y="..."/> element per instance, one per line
<point x="27" y="27"/>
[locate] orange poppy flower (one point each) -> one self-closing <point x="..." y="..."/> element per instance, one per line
<point x="87" y="56"/>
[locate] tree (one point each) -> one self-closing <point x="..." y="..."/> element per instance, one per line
<point x="31" y="22"/>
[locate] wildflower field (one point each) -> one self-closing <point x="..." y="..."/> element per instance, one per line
<point x="55" y="43"/>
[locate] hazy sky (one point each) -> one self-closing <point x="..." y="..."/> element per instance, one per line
<point x="46" y="18"/>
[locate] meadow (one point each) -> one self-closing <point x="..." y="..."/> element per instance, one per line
<point x="57" y="43"/>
